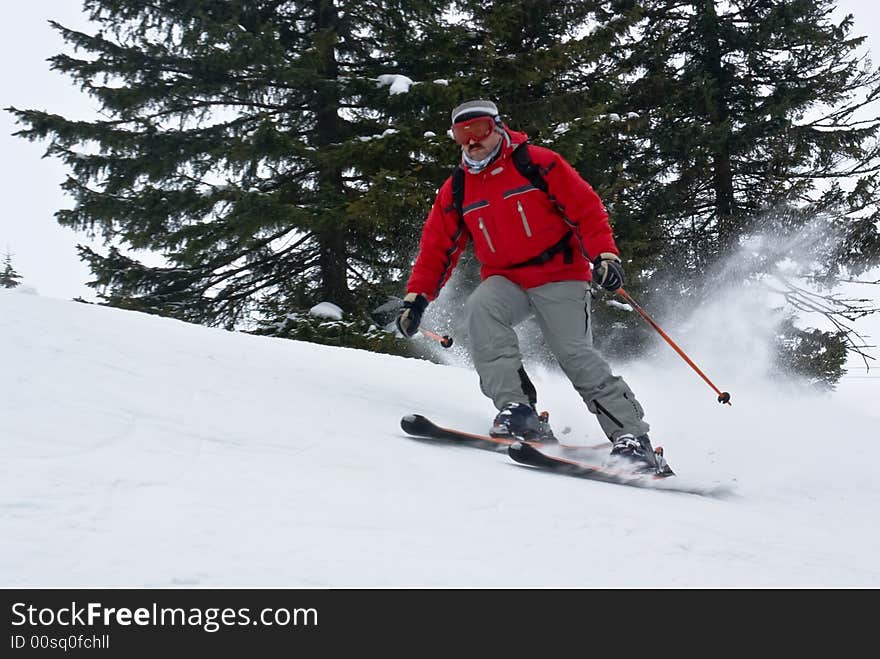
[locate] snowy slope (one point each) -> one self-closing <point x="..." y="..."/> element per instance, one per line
<point x="141" y="451"/>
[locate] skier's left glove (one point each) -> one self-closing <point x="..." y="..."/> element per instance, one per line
<point x="414" y="305"/>
<point x="608" y="271"/>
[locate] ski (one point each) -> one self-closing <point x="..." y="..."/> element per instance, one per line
<point x="422" y="427"/>
<point x="533" y="457"/>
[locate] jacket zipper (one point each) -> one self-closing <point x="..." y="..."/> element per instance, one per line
<point x="486" y="233"/>
<point x="525" y="221"/>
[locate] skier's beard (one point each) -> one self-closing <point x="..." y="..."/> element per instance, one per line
<point x="476" y="166"/>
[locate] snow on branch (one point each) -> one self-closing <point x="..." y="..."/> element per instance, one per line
<point x="399" y="84"/>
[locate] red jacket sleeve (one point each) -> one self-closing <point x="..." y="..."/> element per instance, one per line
<point x="443" y="240"/>
<point x="579" y="203"/>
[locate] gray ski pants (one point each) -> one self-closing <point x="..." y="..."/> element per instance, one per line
<point x="562" y="311"/>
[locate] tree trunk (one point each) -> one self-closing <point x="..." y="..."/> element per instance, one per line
<point x="333" y="259"/>
<point x="718" y="113"/>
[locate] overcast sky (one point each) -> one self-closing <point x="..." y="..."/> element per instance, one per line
<point x="43" y="252"/>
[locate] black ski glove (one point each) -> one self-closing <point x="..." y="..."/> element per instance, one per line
<point x="607" y="271"/>
<point x="414" y="305"/>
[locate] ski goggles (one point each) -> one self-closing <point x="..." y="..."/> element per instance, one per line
<point x="476" y="129"/>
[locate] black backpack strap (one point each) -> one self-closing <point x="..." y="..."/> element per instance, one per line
<point x="458" y="191"/>
<point x="562" y="245"/>
<point x="529" y="170"/>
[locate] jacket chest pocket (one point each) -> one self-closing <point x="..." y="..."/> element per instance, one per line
<point x="477" y="218"/>
<point x="524" y="218"/>
<point x="519" y="203"/>
<point x="484" y="229"/>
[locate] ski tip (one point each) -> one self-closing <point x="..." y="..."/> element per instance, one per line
<point x="418" y="425"/>
<point x="413" y="423"/>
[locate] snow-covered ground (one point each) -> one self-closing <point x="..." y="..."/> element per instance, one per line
<point x="142" y="451"/>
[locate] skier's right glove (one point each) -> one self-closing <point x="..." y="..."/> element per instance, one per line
<point x="414" y="305"/>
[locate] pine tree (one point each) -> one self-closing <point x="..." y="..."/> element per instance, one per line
<point x="751" y="106"/>
<point x="9" y="278"/>
<point x="752" y="115"/>
<point x="252" y="145"/>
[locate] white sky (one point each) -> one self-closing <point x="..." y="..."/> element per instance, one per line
<point x="44" y="253"/>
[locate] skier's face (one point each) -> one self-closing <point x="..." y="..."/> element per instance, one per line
<point x="479" y="148"/>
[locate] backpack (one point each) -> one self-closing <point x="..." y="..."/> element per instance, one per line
<point x="531" y="172"/>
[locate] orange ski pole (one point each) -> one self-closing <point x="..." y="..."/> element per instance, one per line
<point x="723" y="396"/>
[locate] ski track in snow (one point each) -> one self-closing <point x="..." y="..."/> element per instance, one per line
<point x="142" y="451"/>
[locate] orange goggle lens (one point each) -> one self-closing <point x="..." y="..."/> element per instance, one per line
<point x="477" y="129"/>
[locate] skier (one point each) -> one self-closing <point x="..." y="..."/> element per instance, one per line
<point x="537" y="228"/>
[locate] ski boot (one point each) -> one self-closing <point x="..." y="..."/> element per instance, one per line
<point x="521" y="421"/>
<point x="638" y="452"/>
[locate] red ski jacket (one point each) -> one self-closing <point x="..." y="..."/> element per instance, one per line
<point x="511" y="221"/>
